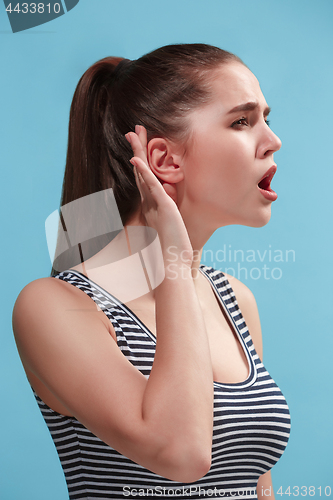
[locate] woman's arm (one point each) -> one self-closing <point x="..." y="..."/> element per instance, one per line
<point x="163" y="423"/>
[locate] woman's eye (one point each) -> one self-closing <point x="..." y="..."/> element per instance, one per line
<point x="240" y="122"/>
<point x="267" y="122"/>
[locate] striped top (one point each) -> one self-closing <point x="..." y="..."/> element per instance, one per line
<point x="251" y="418"/>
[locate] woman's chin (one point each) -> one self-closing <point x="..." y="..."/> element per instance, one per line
<point x="265" y="220"/>
<point x="259" y="220"/>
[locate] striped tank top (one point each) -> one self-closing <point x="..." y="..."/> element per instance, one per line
<point x="251" y="418"/>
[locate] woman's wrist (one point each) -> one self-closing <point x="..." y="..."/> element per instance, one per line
<point x="176" y="258"/>
<point x="176" y="272"/>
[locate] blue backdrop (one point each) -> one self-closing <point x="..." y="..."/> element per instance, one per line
<point x="289" y="47"/>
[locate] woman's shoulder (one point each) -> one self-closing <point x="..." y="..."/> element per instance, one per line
<point x="44" y="300"/>
<point x="243" y="294"/>
<point x="50" y="287"/>
<point x="41" y="290"/>
<point x="33" y="292"/>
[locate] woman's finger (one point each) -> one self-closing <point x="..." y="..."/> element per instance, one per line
<point x="138" y="181"/>
<point x="146" y="194"/>
<point x="142" y="134"/>
<point x="147" y="175"/>
<point x="137" y="147"/>
<point x="150" y="187"/>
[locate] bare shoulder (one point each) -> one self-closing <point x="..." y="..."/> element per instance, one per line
<point x="47" y="301"/>
<point x="243" y="294"/>
<point x="43" y="291"/>
<point x="39" y="296"/>
<point x="31" y="300"/>
<point x="248" y="306"/>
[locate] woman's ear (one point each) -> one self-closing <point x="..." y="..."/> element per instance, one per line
<point x="165" y="160"/>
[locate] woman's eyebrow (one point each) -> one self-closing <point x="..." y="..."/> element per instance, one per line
<point x="249" y="106"/>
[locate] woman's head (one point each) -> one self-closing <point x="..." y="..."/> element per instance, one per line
<point x="157" y="91"/>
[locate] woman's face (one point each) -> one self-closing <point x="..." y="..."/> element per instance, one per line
<point x="229" y="152"/>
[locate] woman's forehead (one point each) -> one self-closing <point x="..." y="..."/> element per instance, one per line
<point x="234" y="84"/>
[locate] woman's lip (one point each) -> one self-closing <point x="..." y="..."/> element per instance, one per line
<point x="266" y="190"/>
<point x="269" y="194"/>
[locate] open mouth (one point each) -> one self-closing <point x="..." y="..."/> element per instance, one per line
<point x="265" y="184"/>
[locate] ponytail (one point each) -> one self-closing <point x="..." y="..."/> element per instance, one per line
<point x="96" y="160"/>
<point x="97" y="154"/>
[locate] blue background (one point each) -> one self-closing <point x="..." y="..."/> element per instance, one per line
<point x="289" y="47"/>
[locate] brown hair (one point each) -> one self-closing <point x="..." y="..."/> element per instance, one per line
<point x="115" y="94"/>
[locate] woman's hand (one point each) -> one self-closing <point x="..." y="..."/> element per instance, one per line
<point x="159" y="206"/>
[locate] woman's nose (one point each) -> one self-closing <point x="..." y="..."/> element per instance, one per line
<point x="270" y="143"/>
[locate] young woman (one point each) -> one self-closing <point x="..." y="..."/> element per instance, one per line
<point x="163" y="393"/>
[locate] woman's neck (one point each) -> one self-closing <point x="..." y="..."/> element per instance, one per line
<point x="127" y="252"/>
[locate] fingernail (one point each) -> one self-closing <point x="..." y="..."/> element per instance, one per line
<point x="128" y="137"/>
<point x="137" y="129"/>
<point x="133" y="162"/>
